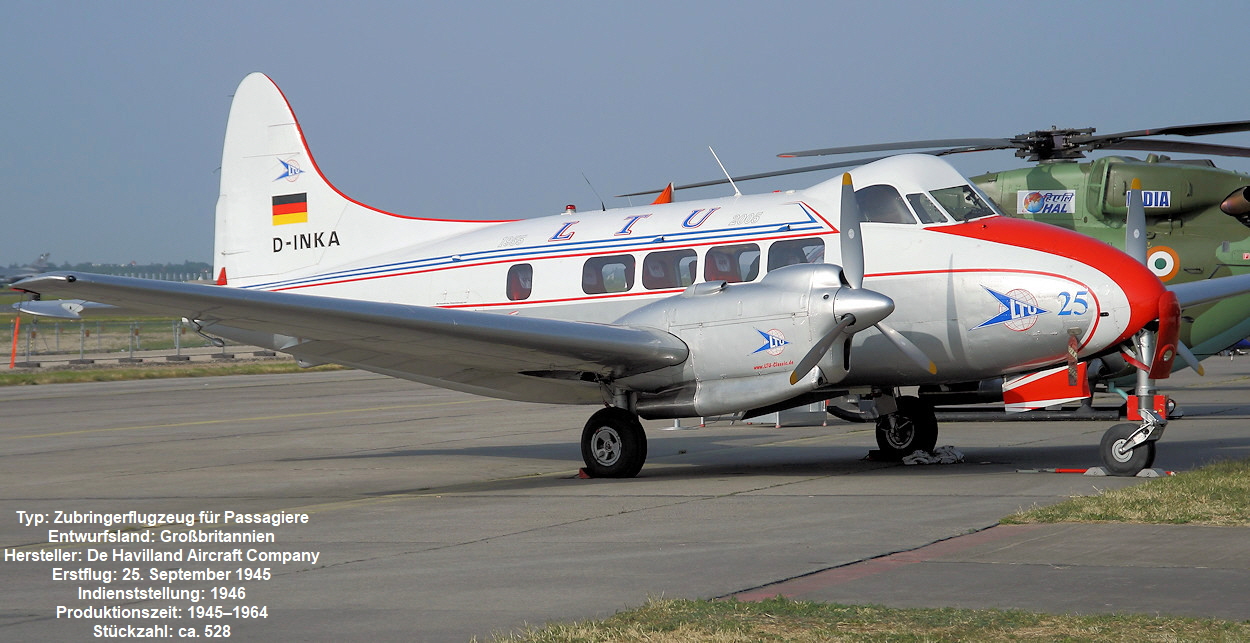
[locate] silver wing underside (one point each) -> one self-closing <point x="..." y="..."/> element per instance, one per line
<point x="521" y="358"/>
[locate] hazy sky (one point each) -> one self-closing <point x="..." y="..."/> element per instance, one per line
<point x="113" y="112"/>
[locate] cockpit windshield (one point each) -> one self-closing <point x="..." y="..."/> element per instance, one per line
<point x="962" y="203"/>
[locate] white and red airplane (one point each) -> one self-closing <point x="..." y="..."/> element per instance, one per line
<point x="897" y="275"/>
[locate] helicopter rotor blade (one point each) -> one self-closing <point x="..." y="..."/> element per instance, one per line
<point x="1180" y="147"/>
<point x="763" y="175"/>
<point x="986" y="143"/>
<point x="1199" y="129"/>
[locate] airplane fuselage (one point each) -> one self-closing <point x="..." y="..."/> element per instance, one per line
<point x="1021" y="283"/>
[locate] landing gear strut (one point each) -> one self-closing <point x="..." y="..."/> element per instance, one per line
<point x="912" y="427"/>
<point x="613" y="444"/>
<point x="1126" y="449"/>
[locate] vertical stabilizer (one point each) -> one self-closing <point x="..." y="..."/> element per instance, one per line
<point x="278" y="217"/>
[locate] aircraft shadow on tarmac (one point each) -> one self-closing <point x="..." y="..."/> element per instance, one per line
<point x="693" y="455"/>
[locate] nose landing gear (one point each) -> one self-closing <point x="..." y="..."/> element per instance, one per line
<point x="1127" y="448"/>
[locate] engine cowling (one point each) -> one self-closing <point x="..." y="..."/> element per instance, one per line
<point x="745" y="340"/>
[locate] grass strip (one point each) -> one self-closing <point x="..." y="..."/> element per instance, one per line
<point x="154" y="371"/>
<point x="687" y="621"/>
<point x="1217" y="494"/>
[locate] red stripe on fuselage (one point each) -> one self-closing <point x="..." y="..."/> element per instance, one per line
<point x="1140" y="286"/>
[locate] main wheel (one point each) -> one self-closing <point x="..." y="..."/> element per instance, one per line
<point x="613" y="444"/>
<point x="1120" y="462"/>
<point x="912" y="428"/>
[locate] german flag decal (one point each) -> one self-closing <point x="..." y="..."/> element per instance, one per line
<point x="290" y="208"/>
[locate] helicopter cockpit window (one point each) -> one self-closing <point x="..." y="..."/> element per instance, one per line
<point x="882" y="204"/>
<point x="925" y="209"/>
<point x="962" y="203"/>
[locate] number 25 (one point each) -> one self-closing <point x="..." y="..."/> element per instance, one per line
<point x="1070" y="303"/>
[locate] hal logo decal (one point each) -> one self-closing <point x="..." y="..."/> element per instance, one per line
<point x="774" y="342"/>
<point x="1017" y="310"/>
<point x="1046" y="202"/>
<point x="290" y="170"/>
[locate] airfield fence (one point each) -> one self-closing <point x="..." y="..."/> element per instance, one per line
<point x="62" y="340"/>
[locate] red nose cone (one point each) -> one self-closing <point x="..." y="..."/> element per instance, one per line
<point x="1142" y="288"/>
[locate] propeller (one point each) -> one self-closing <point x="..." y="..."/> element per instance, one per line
<point x="863" y="307"/>
<point x="1135" y="246"/>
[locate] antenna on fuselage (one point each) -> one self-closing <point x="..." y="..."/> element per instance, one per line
<point x="592" y="189"/>
<point x="722" y="169"/>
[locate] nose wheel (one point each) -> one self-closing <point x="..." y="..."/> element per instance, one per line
<point x="1123" y="451"/>
<point x="613" y="444"/>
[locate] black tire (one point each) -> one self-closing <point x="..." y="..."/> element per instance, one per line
<point x="912" y="428"/>
<point x="1124" y="464"/>
<point x="613" y="444"/>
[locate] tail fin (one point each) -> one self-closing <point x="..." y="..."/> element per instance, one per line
<point x="666" y="196"/>
<point x="278" y="217"/>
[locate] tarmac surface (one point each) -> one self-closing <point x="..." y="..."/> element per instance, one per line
<point x="438" y="516"/>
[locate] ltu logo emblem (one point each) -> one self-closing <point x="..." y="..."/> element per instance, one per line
<point x="290" y="170"/>
<point x="774" y="342"/>
<point x="1017" y="310"/>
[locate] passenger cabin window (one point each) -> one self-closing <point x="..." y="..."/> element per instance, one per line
<point x="608" y="274"/>
<point x="962" y="203"/>
<point x="882" y="204"/>
<point x="792" y="251"/>
<point x="925" y="208"/>
<point x="736" y="263"/>
<point x="669" y="269"/>
<point x="520" y="281"/>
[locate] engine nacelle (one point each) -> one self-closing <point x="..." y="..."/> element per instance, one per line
<point x="744" y="340"/>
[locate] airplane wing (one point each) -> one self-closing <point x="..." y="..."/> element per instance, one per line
<point x="500" y="355"/>
<point x="1201" y="292"/>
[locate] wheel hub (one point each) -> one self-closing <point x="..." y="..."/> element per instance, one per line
<point x="900" y="434"/>
<point x="606" y="445"/>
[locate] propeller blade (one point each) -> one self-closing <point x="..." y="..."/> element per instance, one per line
<point x="818" y="351"/>
<point x="1135" y="224"/>
<point x="986" y="143"/>
<point x="909" y="349"/>
<point x="1190" y="358"/>
<point x="852" y="245"/>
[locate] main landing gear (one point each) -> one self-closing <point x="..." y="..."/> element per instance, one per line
<point x="613" y="444"/>
<point x="911" y="426"/>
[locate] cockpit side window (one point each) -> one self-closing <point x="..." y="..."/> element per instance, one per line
<point x="925" y="209"/>
<point x="962" y="203"/>
<point x="882" y="204"/>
